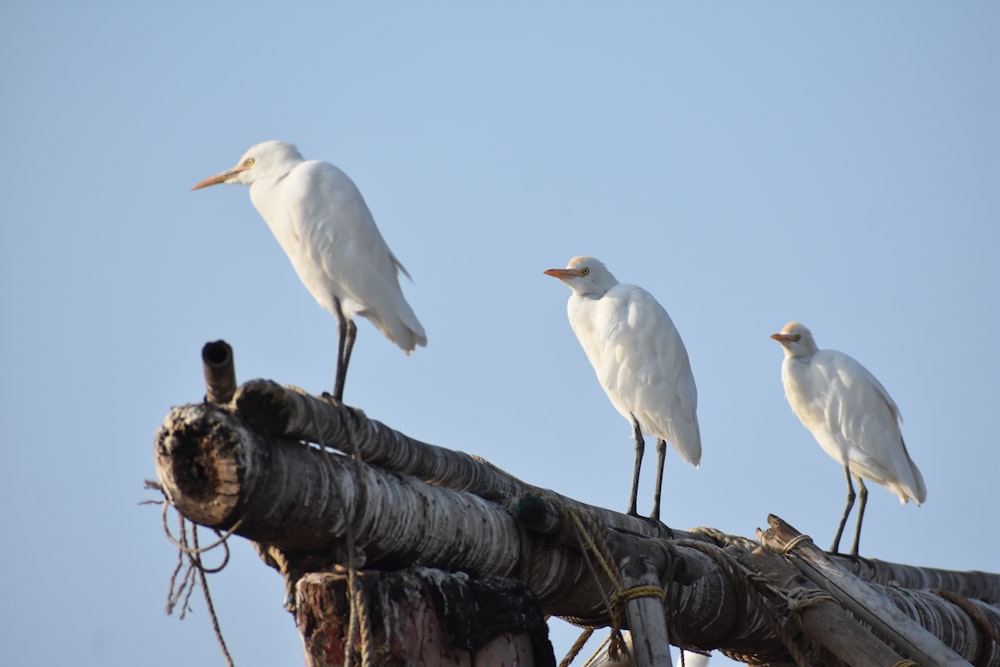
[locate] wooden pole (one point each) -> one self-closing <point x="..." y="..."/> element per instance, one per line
<point x="220" y="372"/>
<point x="646" y="623"/>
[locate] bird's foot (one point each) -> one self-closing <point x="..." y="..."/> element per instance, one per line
<point x="654" y="518"/>
<point x="331" y="398"/>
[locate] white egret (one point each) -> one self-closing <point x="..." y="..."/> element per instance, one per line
<point x="640" y="361"/>
<point x="322" y="223"/>
<point x="852" y="417"/>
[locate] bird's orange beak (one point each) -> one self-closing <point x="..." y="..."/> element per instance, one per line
<point x="781" y="338"/>
<point x="221" y="177"/>
<point x="563" y="274"/>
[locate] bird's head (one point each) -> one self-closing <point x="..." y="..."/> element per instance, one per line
<point x="271" y="158"/>
<point x="586" y="276"/>
<point x="796" y="339"/>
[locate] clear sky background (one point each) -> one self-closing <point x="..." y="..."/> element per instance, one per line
<point x="747" y="163"/>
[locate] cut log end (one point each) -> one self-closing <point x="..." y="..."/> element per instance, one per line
<point x="196" y="462"/>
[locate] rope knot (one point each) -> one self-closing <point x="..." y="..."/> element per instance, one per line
<point x="636" y="592"/>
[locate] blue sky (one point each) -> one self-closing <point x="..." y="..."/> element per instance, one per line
<point x="747" y="163"/>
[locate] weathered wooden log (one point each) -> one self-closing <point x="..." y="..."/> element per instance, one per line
<point x="299" y="498"/>
<point x="217" y="473"/>
<point x="972" y="584"/>
<point x="420" y="616"/>
<point x="924" y="626"/>
<point x="303" y="500"/>
<point x="289" y="412"/>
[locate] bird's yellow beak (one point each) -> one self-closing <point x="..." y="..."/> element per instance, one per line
<point x="221" y="177"/>
<point x="563" y="274"/>
<point x="781" y="338"/>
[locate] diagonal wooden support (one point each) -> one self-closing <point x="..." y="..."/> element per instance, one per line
<point x="820" y="617"/>
<point x="862" y="600"/>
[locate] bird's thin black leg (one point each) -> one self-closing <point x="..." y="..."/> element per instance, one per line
<point x="661" y="454"/>
<point x="863" y="493"/>
<point x="343" y="329"/>
<point x="847" y="510"/>
<point x="352" y="334"/>
<point x="640" y="448"/>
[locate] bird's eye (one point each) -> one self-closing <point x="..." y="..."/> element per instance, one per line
<point x="585" y="271"/>
<point x="797" y="337"/>
<point x="249" y="162"/>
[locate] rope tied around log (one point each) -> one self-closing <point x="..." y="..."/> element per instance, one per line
<point x="358" y="613"/>
<point x="794" y="542"/>
<point x="595" y="549"/>
<point x="756" y="588"/>
<point x="637" y="592"/>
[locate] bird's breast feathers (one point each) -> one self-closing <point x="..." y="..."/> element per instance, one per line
<point x="635" y="350"/>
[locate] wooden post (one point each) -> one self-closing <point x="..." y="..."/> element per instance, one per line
<point x="423" y="617"/>
<point x="646" y="622"/>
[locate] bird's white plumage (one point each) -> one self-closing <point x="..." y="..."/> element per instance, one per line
<point x="637" y="354"/>
<point x="849" y="413"/>
<point x="323" y="224"/>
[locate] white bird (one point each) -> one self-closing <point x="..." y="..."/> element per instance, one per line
<point x="640" y="361"/>
<point x="322" y="223"/>
<point x="852" y="417"/>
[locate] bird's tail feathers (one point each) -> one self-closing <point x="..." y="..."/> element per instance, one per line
<point x="918" y="491"/>
<point x="403" y="329"/>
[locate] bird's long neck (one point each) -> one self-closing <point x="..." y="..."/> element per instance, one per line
<point x="592" y="292"/>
